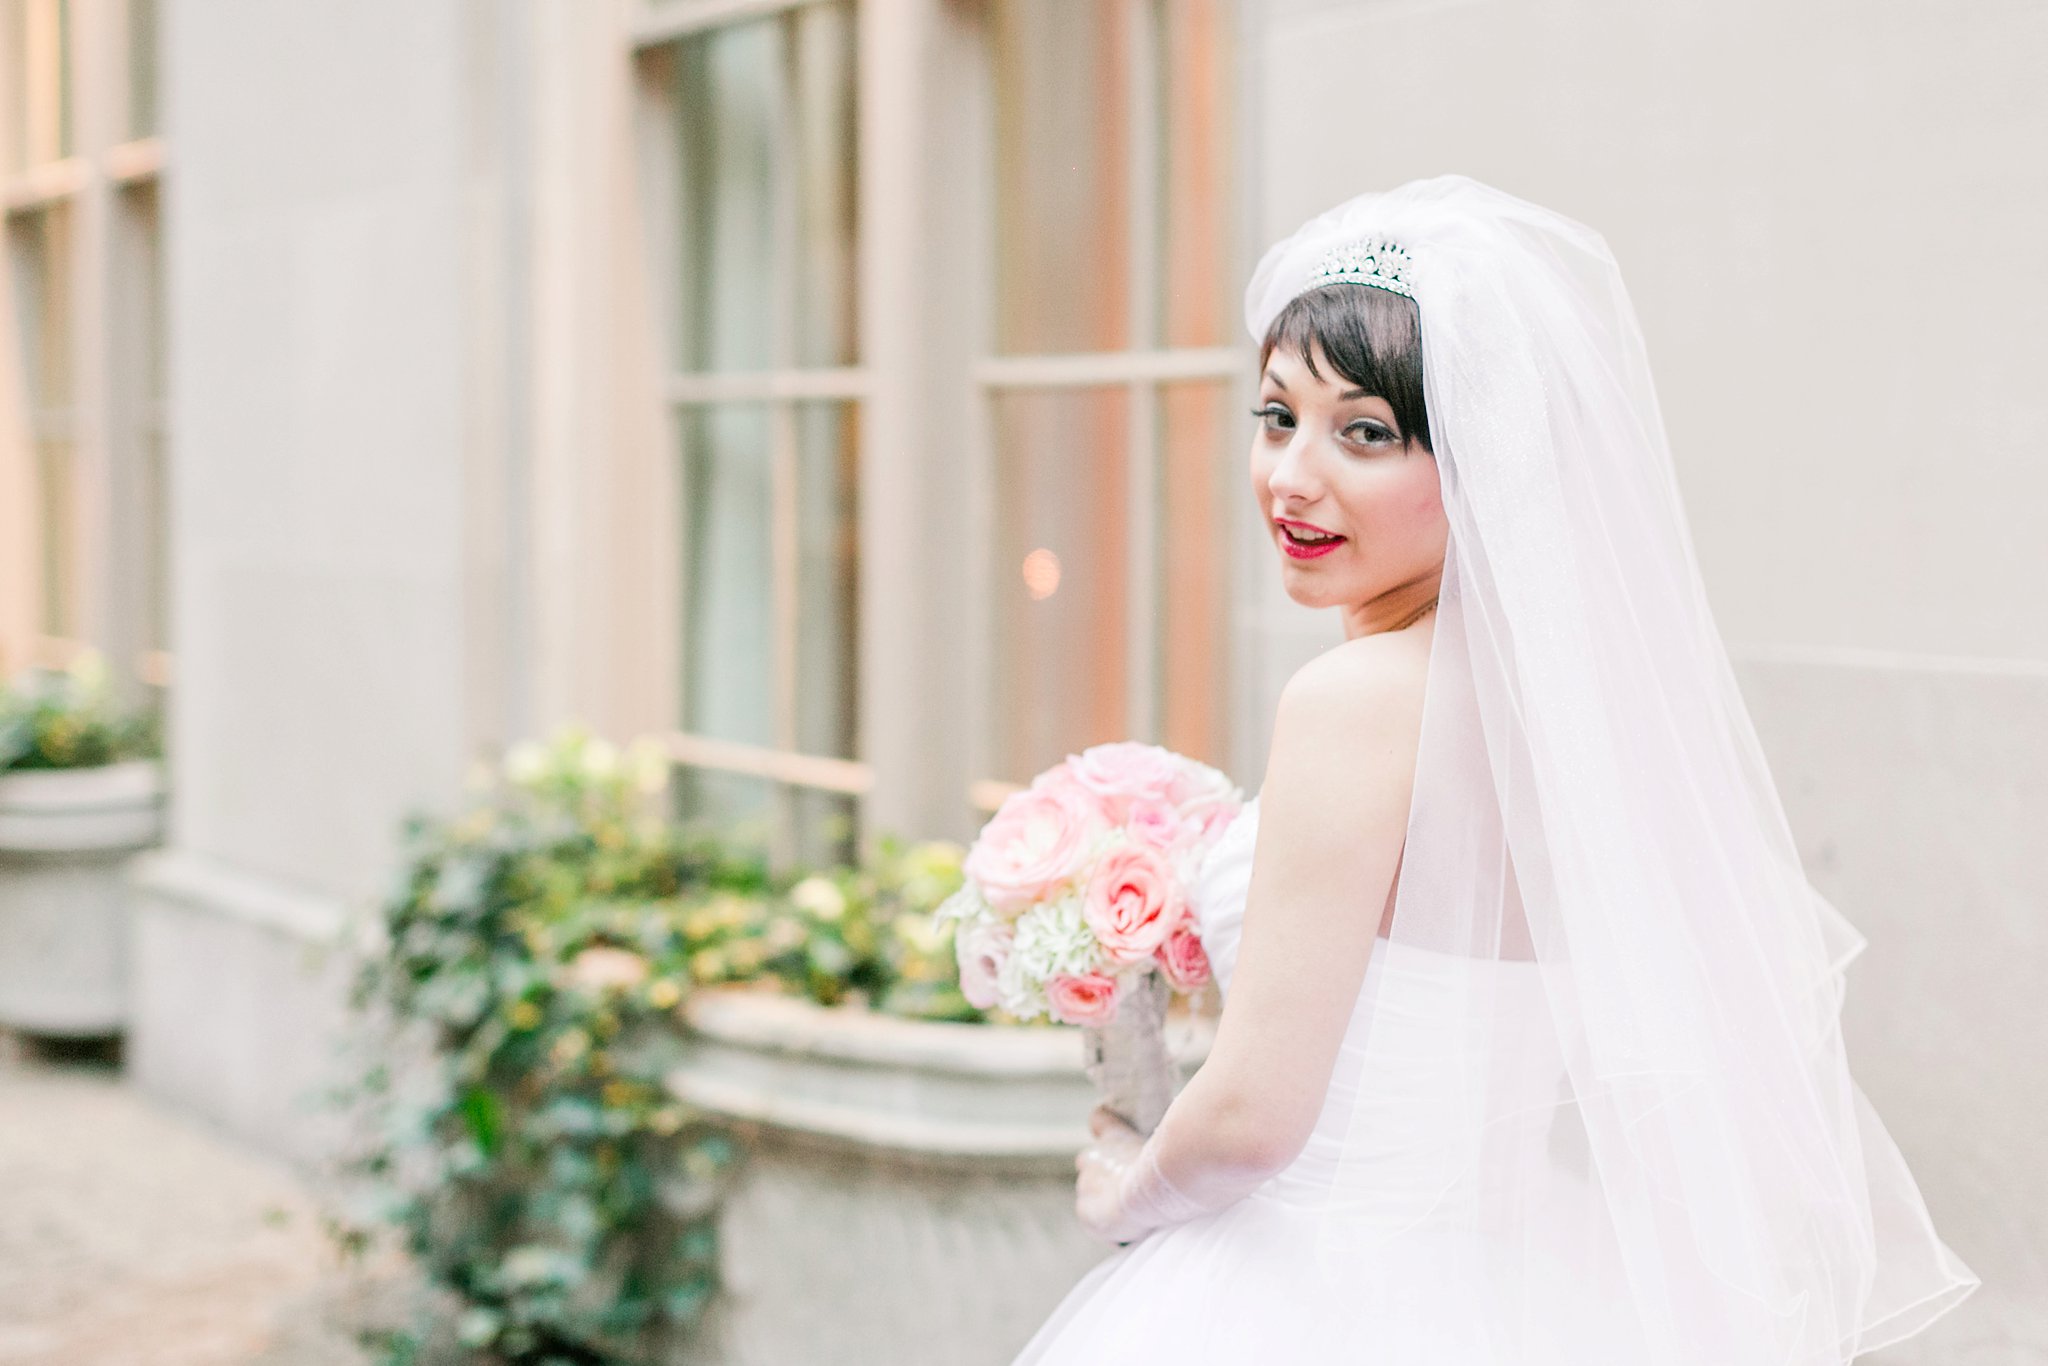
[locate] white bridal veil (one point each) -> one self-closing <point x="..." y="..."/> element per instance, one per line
<point x="1646" y="1017"/>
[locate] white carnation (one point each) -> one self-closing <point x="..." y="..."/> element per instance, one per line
<point x="1054" y="938"/>
<point x="1049" y="939"/>
<point x="1018" y="992"/>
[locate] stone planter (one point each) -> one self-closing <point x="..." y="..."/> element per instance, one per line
<point x="64" y="834"/>
<point x="908" y="1190"/>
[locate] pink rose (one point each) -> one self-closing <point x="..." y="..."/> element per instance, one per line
<point x="1123" y="771"/>
<point x="1132" y="902"/>
<point x="1185" y="960"/>
<point x="1210" y="816"/>
<point x="1158" y="824"/>
<point x="980" y="947"/>
<point x="1195" y="781"/>
<point x="1038" y="839"/>
<point x="1060" y="776"/>
<point x="1087" y="998"/>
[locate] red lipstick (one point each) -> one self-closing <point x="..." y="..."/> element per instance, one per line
<point x="1304" y="540"/>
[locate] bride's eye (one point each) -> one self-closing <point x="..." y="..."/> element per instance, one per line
<point x="1274" y="418"/>
<point x="1372" y="433"/>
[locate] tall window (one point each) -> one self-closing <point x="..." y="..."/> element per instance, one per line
<point x="79" y="183"/>
<point x="1109" y="383"/>
<point x="764" y="388"/>
<point x="1056" y="412"/>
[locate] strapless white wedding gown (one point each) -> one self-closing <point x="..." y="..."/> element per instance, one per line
<point x="1242" y="1284"/>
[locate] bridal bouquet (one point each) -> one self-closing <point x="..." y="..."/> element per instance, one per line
<point x="1075" y="905"/>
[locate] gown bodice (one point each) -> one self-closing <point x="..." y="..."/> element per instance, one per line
<point x="1429" y="1035"/>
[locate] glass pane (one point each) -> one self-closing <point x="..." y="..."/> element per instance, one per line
<point x="36" y="80"/>
<point x="57" y="525"/>
<point x="828" y="573"/>
<point x="1199" y="485"/>
<point x="14" y="79"/>
<point x="728" y="599"/>
<point x="1061" y="579"/>
<point x="827" y="827"/>
<point x="144" y="270"/>
<point x="1062" y="179"/>
<point x="730" y="557"/>
<point x="813" y="828"/>
<point x="66" y="139"/>
<point x="1196" y="297"/>
<point x="156" y="561"/>
<point x="138" y="366"/>
<point x="726" y="86"/>
<point x="142" y="67"/>
<point x="766" y="270"/>
<point x="42" y="247"/>
<point x="738" y="808"/>
<point x="825" y="158"/>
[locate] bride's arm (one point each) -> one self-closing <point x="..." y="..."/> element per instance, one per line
<point x="1333" y="813"/>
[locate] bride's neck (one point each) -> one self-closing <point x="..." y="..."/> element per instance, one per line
<point x="1397" y="610"/>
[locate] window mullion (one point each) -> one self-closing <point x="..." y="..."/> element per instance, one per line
<point x="1142" y="586"/>
<point x="1110" y="367"/>
<point x="665" y="23"/>
<point x="784" y="568"/>
<point x="785" y="565"/>
<point x="730" y="386"/>
<point x="43" y="83"/>
<point x="980" y="670"/>
<point x="101" y="552"/>
<point x="819" y="772"/>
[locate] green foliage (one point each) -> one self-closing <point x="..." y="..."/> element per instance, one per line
<point x="872" y="935"/>
<point x="540" y="946"/>
<point x="68" y="718"/>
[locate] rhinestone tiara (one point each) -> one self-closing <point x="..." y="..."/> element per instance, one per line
<point x="1368" y="261"/>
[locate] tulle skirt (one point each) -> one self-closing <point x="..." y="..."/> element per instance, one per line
<point x="1242" y="1284"/>
<point x="1430" y="1277"/>
<point x="1466" y="1248"/>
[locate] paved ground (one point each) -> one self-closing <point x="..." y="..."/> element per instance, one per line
<point x="132" y="1237"/>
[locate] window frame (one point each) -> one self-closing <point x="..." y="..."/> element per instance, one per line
<point x="1139" y="370"/>
<point x="116" y="575"/>
<point x="654" y="29"/>
<point x="925" y="387"/>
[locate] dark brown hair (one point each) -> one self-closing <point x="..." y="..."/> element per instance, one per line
<point x="1372" y="337"/>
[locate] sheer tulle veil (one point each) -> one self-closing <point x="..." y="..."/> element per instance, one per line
<point x="1648" y="1002"/>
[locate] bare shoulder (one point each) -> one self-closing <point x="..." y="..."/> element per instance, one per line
<point x="1373" y="682"/>
<point x="1347" y="731"/>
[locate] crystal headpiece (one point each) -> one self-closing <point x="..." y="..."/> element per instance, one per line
<point x="1368" y="261"/>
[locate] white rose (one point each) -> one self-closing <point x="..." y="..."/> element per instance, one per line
<point x="526" y="763"/>
<point x="600" y="759"/>
<point x="820" y="896"/>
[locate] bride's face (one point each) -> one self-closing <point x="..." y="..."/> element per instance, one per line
<point x="1329" y="458"/>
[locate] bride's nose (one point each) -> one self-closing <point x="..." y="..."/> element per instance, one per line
<point x="1292" y="481"/>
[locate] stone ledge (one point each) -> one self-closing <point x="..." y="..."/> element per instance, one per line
<point x="919" y="1090"/>
<point x="870" y="1128"/>
<point x="775" y="1022"/>
<point x="239" y="991"/>
<point x="200" y="882"/>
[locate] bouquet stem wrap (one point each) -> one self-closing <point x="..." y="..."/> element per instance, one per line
<point x="1127" y="1059"/>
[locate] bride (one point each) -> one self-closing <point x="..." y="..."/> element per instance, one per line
<point x="1530" y="1052"/>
